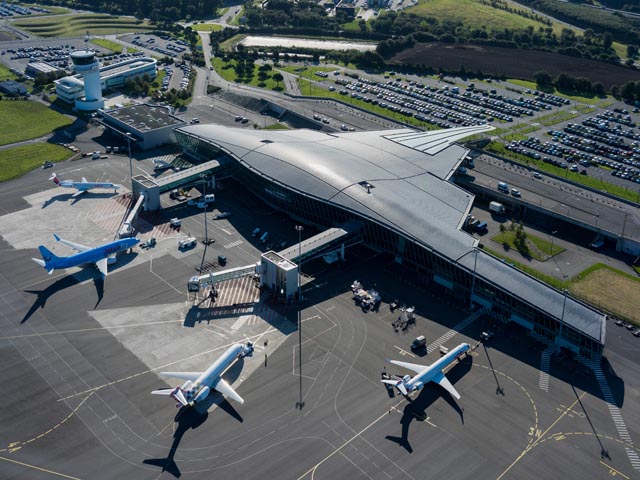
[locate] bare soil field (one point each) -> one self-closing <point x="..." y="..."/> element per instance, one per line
<point x="511" y="62"/>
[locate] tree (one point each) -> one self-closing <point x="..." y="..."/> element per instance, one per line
<point x="543" y="79"/>
<point x="277" y="77"/>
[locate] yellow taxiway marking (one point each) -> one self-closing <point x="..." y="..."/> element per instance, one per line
<point x="58" y="474"/>
<point x="12" y="447"/>
<point x="613" y="472"/>
<point x="531" y="445"/>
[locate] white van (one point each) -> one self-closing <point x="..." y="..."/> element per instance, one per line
<point x="210" y="198"/>
<point x="503" y="187"/>
<point x="264" y="237"/>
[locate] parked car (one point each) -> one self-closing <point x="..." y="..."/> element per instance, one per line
<point x="515" y="192"/>
<point x="47" y="165"/>
<point x="222" y="215"/>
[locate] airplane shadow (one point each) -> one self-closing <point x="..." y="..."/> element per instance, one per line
<point x="187" y="418"/>
<point x="65" y="282"/>
<point x="65" y="197"/>
<point x="192" y="417"/>
<point x="416" y="409"/>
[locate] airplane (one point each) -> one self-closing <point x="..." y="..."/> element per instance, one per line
<point x="427" y="373"/>
<point x="99" y="255"/>
<point x="198" y="385"/>
<point x="82" y="186"/>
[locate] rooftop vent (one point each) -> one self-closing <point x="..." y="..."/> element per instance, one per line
<point x="367" y="185"/>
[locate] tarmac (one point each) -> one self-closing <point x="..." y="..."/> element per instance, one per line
<point x="81" y="355"/>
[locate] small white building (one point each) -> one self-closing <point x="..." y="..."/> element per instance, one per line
<point x="279" y="275"/>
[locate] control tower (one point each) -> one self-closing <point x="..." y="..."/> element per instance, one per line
<point x="87" y="65"/>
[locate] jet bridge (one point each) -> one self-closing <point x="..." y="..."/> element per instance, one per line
<point x="279" y="270"/>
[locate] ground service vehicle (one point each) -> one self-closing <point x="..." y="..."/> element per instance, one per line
<point x="496" y="207"/>
<point x="419" y="342"/>
<point x="503" y="187"/>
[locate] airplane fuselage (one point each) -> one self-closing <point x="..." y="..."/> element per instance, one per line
<point x="93" y="255"/>
<point x="437" y="367"/>
<point x="210" y="377"/>
<point x="87" y="185"/>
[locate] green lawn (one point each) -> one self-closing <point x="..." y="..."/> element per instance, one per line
<point x="227" y="71"/>
<point x="108" y="44"/>
<point x="77" y="25"/>
<point x="277" y="126"/>
<point x="539" y="248"/>
<point x="553" y="118"/>
<point x="207" y="27"/>
<point x="5" y="73"/>
<point x="15" y="162"/>
<point x="28" y="120"/>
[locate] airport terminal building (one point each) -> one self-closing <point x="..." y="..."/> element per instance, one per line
<point x="396" y="184"/>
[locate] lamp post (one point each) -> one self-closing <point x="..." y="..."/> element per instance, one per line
<point x="128" y="135"/>
<point x="473" y="280"/>
<point x="204" y="193"/>
<point x="552" y="239"/>
<point x="299" y="229"/>
<point x="564" y="303"/>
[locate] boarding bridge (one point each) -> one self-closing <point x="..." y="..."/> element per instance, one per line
<point x="152" y="188"/>
<point x="126" y="230"/>
<point x="331" y="240"/>
<point x="210" y="279"/>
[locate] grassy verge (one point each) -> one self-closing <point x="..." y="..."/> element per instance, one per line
<point x="228" y="72"/>
<point x="277" y="126"/>
<point x="5" y="73"/>
<point x="207" y="27"/>
<point x="108" y="44"/>
<point x="539" y="248"/>
<point x="553" y="118"/>
<point x="592" y="182"/>
<point x="28" y="120"/>
<point x="15" y="162"/>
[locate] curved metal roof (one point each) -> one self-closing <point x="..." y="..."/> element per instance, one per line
<point x="409" y="188"/>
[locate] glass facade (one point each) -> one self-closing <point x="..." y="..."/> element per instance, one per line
<point x="415" y="256"/>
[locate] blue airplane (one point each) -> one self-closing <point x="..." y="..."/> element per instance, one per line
<point x="101" y="255"/>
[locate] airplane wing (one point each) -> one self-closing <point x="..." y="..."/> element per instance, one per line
<point x="78" y="193"/>
<point x="193" y="376"/>
<point x="409" y="366"/>
<point x="225" y="389"/>
<point x="446" y="384"/>
<point x="75" y="246"/>
<point x="102" y="266"/>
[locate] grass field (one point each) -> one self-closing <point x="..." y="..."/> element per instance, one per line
<point x="227" y="71"/>
<point x="207" y="27"/>
<point x="27" y="120"/>
<point x="108" y="44"/>
<point x="15" y="162"/>
<point x="77" y="25"/>
<point x="611" y="290"/>
<point x="5" y="73"/>
<point x="474" y="14"/>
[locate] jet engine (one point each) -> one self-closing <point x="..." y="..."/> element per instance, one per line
<point x="202" y="394"/>
<point x="418" y="386"/>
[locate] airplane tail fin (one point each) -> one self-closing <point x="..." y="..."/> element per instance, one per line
<point x="175" y="393"/>
<point x="399" y="384"/>
<point x="47" y="257"/>
<point x="54" y="177"/>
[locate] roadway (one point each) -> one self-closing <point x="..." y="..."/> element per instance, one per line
<point x="562" y="198"/>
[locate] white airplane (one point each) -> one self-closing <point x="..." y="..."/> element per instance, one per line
<point x="82" y="186"/>
<point x="428" y="373"/>
<point x="198" y="385"/>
